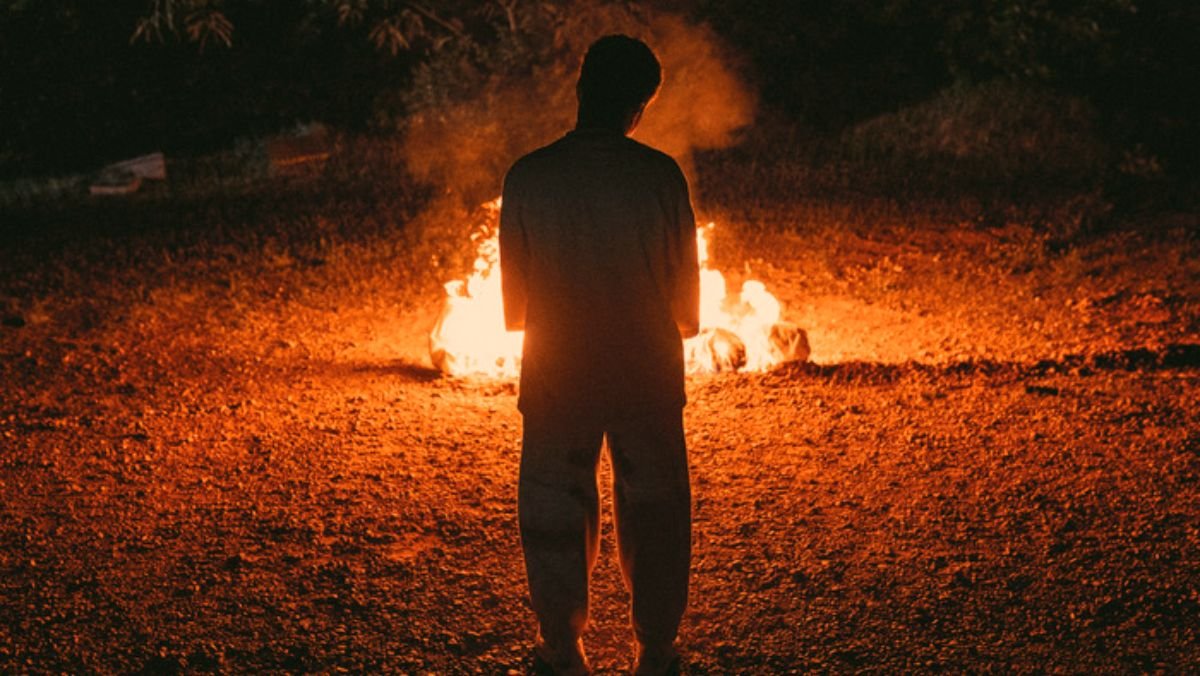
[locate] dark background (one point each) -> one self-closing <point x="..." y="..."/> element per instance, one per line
<point x="76" y="91"/>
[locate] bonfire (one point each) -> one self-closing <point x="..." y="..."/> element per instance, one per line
<point x="742" y="331"/>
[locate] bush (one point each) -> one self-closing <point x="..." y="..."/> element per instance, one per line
<point x="1000" y="131"/>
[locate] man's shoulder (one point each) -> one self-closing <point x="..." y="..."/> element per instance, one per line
<point x="653" y="154"/>
<point x="530" y="162"/>
<point x="564" y="155"/>
<point x="556" y="148"/>
<point x="570" y="144"/>
<point x="649" y="155"/>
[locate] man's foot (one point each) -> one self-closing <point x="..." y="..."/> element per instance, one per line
<point x="572" y="663"/>
<point x="657" y="661"/>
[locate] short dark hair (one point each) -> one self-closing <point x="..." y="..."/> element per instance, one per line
<point x="619" y="74"/>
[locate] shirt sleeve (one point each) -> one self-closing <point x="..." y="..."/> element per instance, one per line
<point x="514" y="257"/>
<point x="685" y="298"/>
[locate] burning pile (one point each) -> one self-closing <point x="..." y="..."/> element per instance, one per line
<point x="469" y="337"/>
<point x="742" y="331"/>
<point x="738" y="332"/>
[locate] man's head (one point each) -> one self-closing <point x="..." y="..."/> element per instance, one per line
<point x="620" y="75"/>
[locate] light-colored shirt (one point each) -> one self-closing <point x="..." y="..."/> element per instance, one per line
<point x="598" y="261"/>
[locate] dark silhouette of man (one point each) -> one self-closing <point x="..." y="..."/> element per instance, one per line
<point x="598" y="252"/>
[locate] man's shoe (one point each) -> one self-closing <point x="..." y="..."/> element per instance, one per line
<point x="673" y="668"/>
<point x="540" y="666"/>
<point x="663" y="661"/>
<point x="545" y="663"/>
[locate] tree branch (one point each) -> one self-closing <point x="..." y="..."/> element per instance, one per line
<point x="432" y="16"/>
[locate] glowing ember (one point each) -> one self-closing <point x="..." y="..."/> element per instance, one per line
<point x="741" y="331"/>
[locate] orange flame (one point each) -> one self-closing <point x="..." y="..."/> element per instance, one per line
<point x="737" y="332"/>
<point x="749" y="315"/>
<point x="469" y="338"/>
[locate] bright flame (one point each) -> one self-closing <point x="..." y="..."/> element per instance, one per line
<point x="469" y="338"/>
<point x="740" y="331"/>
<point x="737" y="332"/>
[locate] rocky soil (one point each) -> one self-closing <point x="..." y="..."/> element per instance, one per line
<point x="992" y="465"/>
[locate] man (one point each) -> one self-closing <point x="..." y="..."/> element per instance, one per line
<point x="598" y="252"/>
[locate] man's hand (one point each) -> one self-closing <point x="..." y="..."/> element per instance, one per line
<point x="688" y="330"/>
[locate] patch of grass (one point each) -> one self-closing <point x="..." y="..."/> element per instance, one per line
<point x="988" y="155"/>
<point x="997" y="132"/>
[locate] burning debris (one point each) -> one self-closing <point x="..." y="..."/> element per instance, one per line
<point x="742" y="331"/>
<point x="738" y="332"/>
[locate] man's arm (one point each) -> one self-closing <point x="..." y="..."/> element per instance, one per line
<point x="514" y="257"/>
<point x="685" y="298"/>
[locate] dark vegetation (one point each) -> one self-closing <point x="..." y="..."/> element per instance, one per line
<point x="84" y="83"/>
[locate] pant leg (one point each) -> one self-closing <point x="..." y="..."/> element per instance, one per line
<point x="652" y="499"/>
<point x="558" y="508"/>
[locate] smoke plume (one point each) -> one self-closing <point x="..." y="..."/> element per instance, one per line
<point x="464" y="145"/>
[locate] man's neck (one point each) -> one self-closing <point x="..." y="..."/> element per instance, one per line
<point x="608" y="128"/>
<point x="586" y="122"/>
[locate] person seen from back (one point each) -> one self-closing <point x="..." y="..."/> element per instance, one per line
<point x="599" y="268"/>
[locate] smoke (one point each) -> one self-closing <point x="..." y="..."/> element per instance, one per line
<point x="703" y="102"/>
<point x="463" y="144"/>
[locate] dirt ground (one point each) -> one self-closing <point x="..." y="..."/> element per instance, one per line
<point x="992" y="464"/>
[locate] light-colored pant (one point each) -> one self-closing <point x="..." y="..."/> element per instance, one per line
<point x="559" y="512"/>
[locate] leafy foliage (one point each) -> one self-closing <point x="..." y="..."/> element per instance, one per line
<point x="202" y="21"/>
<point x="838" y="63"/>
<point x="1024" y="39"/>
<point x="83" y="81"/>
<point x="392" y="26"/>
<point x="873" y="53"/>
